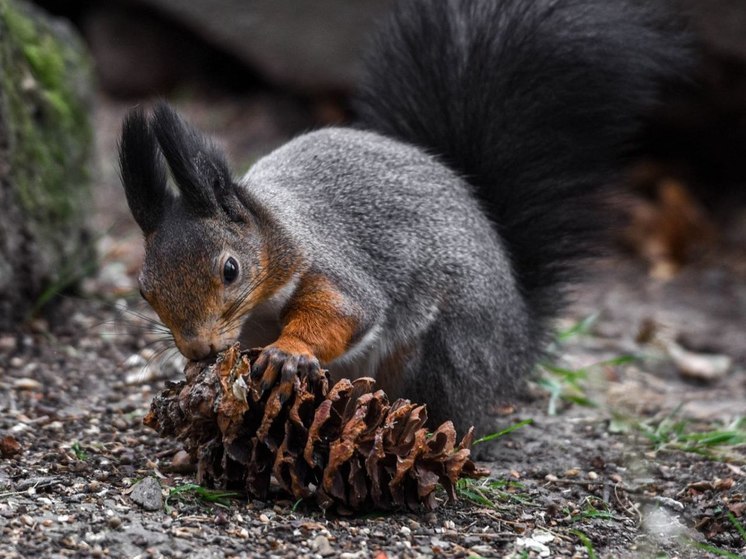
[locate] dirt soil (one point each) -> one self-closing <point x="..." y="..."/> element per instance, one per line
<point x="612" y="465"/>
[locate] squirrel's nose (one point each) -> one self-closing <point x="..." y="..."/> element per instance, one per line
<point x="197" y="349"/>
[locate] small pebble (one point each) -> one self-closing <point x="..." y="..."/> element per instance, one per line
<point x="147" y="493"/>
<point x="470" y="541"/>
<point x="101" y="475"/>
<point x="322" y="546"/>
<point x="7" y="343"/>
<point x="182" y="462"/>
<point x="699" y="366"/>
<point x="9" y="446"/>
<point x="25" y="383"/>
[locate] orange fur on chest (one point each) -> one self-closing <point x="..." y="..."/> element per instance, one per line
<point x="317" y="318"/>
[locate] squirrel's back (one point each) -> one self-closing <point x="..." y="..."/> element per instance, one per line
<point x="389" y="207"/>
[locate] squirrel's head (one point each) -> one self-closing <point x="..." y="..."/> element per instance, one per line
<point x="204" y="254"/>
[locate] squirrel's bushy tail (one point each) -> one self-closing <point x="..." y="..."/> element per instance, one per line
<point x="534" y="102"/>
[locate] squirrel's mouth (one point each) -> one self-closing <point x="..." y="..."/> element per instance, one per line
<point x="198" y="348"/>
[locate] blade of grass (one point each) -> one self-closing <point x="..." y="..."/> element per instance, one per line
<point x="580" y="328"/>
<point x="587" y="543"/>
<point x="739" y="527"/>
<point x="504" y="432"/>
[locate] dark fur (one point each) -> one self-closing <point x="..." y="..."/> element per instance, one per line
<point x="198" y="167"/>
<point x="143" y="172"/>
<point x="534" y="102"/>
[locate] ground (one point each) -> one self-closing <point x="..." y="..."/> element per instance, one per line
<point x="635" y="446"/>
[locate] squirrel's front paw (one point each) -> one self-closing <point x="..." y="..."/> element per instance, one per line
<point x="288" y="359"/>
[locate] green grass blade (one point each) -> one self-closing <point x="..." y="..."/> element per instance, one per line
<point x="587" y="543"/>
<point x="504" y="432"/>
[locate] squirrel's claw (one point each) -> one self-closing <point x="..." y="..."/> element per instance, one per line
<point x="276" y="363"/>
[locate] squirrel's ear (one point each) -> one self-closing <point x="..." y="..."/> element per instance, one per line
<point x="198" y="167"/>
<point x="143" y="172"/>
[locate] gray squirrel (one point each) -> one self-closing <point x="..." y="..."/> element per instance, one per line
<point x="429" y="245"/>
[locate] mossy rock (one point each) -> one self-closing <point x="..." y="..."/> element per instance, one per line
<point x="45" y="157"/>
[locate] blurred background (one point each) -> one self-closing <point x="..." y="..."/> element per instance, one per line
<point x="255" y="73"/>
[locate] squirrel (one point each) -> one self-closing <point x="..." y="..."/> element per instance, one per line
<point x="430" y="244"/>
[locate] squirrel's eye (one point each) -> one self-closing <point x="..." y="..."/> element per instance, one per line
<point x="230" y="270"/>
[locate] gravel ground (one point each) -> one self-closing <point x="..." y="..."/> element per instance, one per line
<point x="80" y="476"/>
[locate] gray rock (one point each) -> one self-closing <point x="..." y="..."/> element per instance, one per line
<point x="322" y="546"/>
<point x="147" y="494"/>
<point x="45" y="150"/>
<point x="312" y="45"/>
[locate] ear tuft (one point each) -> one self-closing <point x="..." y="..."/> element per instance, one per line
<point x="198" y="167"/>
<point x="142" y="172"/>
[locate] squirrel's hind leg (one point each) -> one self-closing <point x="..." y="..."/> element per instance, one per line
<point x="467" y="365"/>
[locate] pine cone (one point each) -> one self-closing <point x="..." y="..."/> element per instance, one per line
<point x="345" y="445"/>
